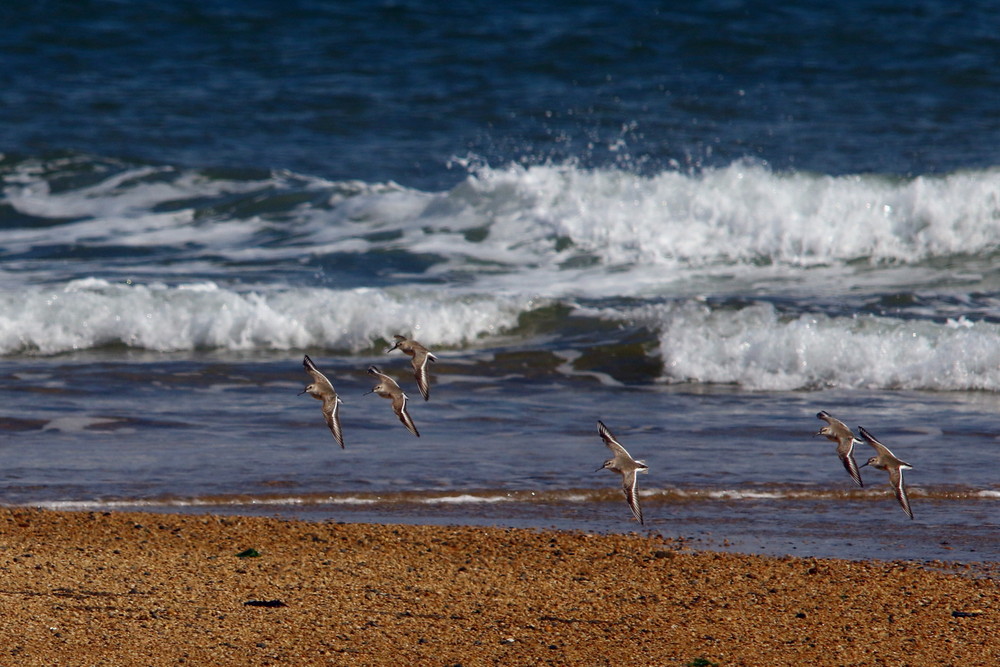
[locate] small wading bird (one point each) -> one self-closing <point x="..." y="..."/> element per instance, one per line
<point x="387" y="388"/>
<point x="886" y="460"/>
<point x="626" y="466"/>
<point x="838" y="432"/>
<point x="419" y="356"/>
<point x="321" y="389"/>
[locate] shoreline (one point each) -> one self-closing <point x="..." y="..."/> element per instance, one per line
<point x="152" y="588"/>
<point x="943" y="533"/>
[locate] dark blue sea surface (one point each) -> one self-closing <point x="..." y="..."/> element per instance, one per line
<point x="701" y="225"/>
<point x="383" y="91"/>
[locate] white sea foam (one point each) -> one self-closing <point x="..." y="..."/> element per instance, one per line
<point x="130" y="191"/>
<point x="563" y="231"/>
<point x="505" y="241"/>
<point x="93" y="312"/>
<point x="741" y="213"/>
<point x="76" y="423"/>
<point x="734" y="494"/>
<point x="466" y="498"/>
<point x="756" y="347"/>
<point x="232" y="501"/>
<point x="558" y="227"/>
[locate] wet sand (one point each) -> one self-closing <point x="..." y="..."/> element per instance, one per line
<point x="153" y="589"/>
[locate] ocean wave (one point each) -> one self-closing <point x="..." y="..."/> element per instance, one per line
<point x="753" y="345"/>
<point x="93" y="313"/>
<point x="743" y="213"/>
<point x="548" y="219"/>
<point x="103" y="253"/>
<point x="758" y="347"/>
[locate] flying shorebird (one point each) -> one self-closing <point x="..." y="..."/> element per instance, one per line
<point x="322" y="390"/>
<point x="387" y="388"/>
<point x="626" y="466"/>
<point x="838" y="432"/>
<point x="886" y="460"/>
<point x="419" y="356"/>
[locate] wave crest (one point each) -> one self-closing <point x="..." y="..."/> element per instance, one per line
<point x="743" y="213"/>
<point x="759" y="348"/>
<point x="93" y="313"/>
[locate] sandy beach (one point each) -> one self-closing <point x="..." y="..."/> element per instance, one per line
<point x="152" y="589"/>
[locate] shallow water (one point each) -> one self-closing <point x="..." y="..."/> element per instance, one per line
<point x="728" y="468"/>
<point x="696" y="225"/>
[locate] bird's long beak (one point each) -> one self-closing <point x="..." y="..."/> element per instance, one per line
<point x="368" y="392"/>
<point x="392" y="348"/>
<point x="863" y="465"/>
<point x="599" y="469"/>
<point x="301" y="392"/>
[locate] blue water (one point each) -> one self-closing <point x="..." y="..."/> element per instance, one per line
<point x="700" y="225"/>
<point x="394" y="90"/>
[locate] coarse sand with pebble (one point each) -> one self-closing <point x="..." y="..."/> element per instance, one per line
<point x="118" y="588"/>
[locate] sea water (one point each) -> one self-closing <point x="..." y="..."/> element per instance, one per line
<point x="700" y="226"/>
